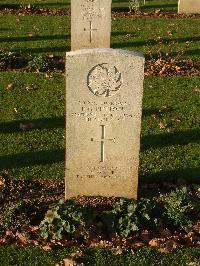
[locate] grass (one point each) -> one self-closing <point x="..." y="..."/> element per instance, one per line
<point x="51" y="34"/>
<point x="117" y="5"/>
<point x="98" y="257"/>
<point x="39" y="153"/>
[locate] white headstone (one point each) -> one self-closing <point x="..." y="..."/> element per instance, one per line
<point x="189" y="7"/>
<point x="90" y="24"/>
<point x="103" y="115"/>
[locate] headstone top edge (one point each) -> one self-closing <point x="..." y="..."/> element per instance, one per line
<point x="104" y="50"/>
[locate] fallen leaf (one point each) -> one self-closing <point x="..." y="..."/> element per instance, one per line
<point x="137" y="243"/>
<point x="9" y="87"/>
<point x="117" y="251"/>
<point x="46" y="248"/>
<point x="77" y="254"/>
<point x="26" y="126"/>
<point x="2" y="182"/>
<point x="156" y="242"/>
<point x="68" y="262"/>
<point x="162" y="125"/>
<point x="10" y="233"/>
<point x="22" y="238"/>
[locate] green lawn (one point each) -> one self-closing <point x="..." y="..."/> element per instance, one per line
<point x="117" y="5"/>
<point x="51" y="34"/>
<point x="39" y="153"/>
<point x="98" y="257"/>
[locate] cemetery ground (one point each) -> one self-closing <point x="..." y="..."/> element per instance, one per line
<point x="32" y="137"/>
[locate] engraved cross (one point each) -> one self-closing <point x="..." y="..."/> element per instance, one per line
<point x="102" y="140"/>
<point x="91" y="29"/>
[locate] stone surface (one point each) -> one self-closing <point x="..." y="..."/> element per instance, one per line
<point x="103" y="114"/>
<point x="189" y="7"/>
<point x="90" y="24"/>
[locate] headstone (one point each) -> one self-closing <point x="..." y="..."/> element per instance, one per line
<point x="90" y="24"/>
<point x="103" y="114"/>
<point x="189" y="7"/>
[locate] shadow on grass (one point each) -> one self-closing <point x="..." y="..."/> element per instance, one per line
<point x="192" y="175"/>
<point x="162" y="41"/>
<point x="31" y="158"/>
<point x="46" y="4"/>
<point x="48" y="123"/>
<point x="9" y="6"/>
<point x="170" y="139"/>
<point x="35" y="38"/>
<point x="47" y="49"/>
<point x="159" y="6"/>
<point x="56" y="4"/>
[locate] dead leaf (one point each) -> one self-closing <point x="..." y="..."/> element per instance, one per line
<point x="22" y="238"/>
<point x="170" y="245"/>
<point x="9" y="87"/>
<point x="117" y="251"/>
<point x="2" y="240"/>
<point x="137" y="243"/>
<point x="197" y="90"/>
<point x="77" y="254"/>
<point x="157" y="11"/>
<point x="50" y="55"/>
<point x="46" y="248"/>
<point x="2" y="182"/>
<point x="68" y="262"/>
<point x="156" y="242"/>
<point x="162" y="125"/>
<point x="10" y="233"/>
<point x="26" y="126"/>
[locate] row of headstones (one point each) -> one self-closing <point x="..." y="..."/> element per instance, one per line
<point x="184" y="6"/>
<point x="104" y="90"/>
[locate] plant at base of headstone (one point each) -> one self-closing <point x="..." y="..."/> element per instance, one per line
<point x="40" y="63"/>
<point x="129" y="216"/>
<point x="179" y="207"/>
<point x="63" y="218"/>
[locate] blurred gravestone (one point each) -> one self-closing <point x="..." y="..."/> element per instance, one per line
<point x="90" y="24"/>
<point x="189" y="7"/>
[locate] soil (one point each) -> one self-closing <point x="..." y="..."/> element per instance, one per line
<point x="31" y="10"/>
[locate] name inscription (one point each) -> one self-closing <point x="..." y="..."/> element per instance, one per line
<point x="103" y="111"/>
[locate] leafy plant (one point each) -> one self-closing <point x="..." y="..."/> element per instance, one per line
<point x="179" y="206"/>
<point x="39" y="63"/>
<point x="129" y="216"/>
<point x="63" y="218"/>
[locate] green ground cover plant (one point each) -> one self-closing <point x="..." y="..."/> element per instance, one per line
<point x="151" y="36"/>
<point x="170" y="127"/>
<point x="176" y="209"/>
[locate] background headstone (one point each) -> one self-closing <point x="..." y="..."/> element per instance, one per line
<point x="103" y="116"/>
<point x="90" y="24"/>
<point x="189" y="7"/>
